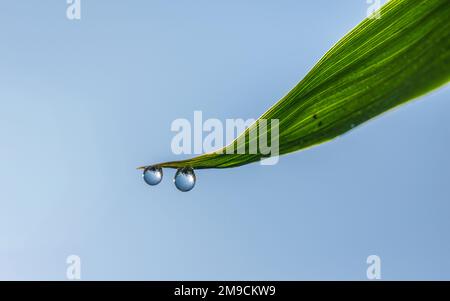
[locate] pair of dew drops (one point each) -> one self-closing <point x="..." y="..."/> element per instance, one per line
<point x="184" y="178"/>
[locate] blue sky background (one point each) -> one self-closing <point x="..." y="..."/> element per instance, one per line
<point x="85" y="102"/>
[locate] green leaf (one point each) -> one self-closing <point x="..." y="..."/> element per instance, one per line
<point x="380" y="64"/>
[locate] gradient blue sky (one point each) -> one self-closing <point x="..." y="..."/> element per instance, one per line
<point x="85" y="102"/>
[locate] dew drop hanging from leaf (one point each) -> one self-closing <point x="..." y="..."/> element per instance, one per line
<point x="152" y="175"/>
<point x="185" y="179"/>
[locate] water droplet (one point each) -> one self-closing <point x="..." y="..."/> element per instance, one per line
<point x="184" y="179"/>
<point x="152" y="175"/>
